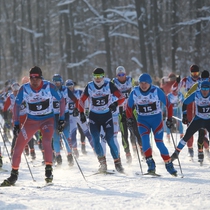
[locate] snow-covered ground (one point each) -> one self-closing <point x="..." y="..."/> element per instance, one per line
<point x="72" y="191"/>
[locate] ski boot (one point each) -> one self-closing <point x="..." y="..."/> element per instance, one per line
<point x="11" y="180"/>
<point x="48" y="174"/>
<point x="33" y="154"/>
<point x="170" y="168"/>
<point x="103" y="165"/>
<point x="200" y="157"/>
<point x="151" y="165"/>
<point x="118" y="165"/>
<point x="1" y="162"/>
<point x="128" y="158"/>
<point x="83" y="148"/>
<point x="190" y="153"/>
<point x="76" y="153"/>
<point x="70" y="160"/>
<point x="58" y="160"/>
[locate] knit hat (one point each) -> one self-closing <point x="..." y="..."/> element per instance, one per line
<point x="120" y="69"/>
<point x="205" y="74"/>
<point x="98" y="71"/>
<point x="145" y="78"/>
<point x="69" y="82"/>
<point x="205" y="84"/>
<point x="194" y="68"/>
<point x="35" y="72"/>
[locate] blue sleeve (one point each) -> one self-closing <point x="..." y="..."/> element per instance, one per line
<point x="55" y="92"/>
<point x="189" y="99"/>
<point x="19" y="97"/>
<point x="130" y="100"/>
<point x="162" y="96"/>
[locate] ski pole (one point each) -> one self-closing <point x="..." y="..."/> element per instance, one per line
<point x="177" y="156"/>
<point x="29" y="167"/>
<point x="5" y="134"/>
<point x="137" y="151"/>
<point x="5" y="146"/>
<point x="63" y="136"/>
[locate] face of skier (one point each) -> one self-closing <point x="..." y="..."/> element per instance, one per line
<point x="205" y="91"/>
<point x="70" y="87"/>
<point x="35" y="82"/>
<point x="57" y="84"/>
<point x="144" y="86"/>
<point x="195" y="75"/>
<point x="121" y="77"/>
<point x="98" y="79"/>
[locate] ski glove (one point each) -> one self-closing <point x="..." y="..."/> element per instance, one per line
<point x="130" y="123"/>
<point x="82" y="117"/>
<point x="61" y="124"/>
<point x="75" y="112"/>
<point x="164" y="116"/>
<point x="123" y="119"/>
<point x="16" y="130"/>
<point x="113" y="107"/>
<point x="169" y="123"/>
<point x="184" y="119"/>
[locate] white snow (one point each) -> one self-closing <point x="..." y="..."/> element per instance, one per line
<point x="71" y="191"/>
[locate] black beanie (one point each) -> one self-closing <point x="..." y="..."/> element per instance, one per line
<point x="194" y="68"/>
<point x="205" y="74"/>
<point x="35" y="72"/>
<point x="98" y="71"/>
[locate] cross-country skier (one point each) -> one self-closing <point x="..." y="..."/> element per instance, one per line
<point x="186" y="83"/>
<point x="147" y="98"/>
<point x="74" y="119"/>
<point x="201" y="98"/>
<point x="38" y="96"/>
<point x="58" y="81"/>
<point x="125" y="84"/>
<point x="100" y="91"/>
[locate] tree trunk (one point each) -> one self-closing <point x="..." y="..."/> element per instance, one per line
<point x="107" y="40"/>
<point x="157" y="39"/>
<point x="31" y="35"/>
<point x="174" y="35"/>
<point x="138" y="5"/>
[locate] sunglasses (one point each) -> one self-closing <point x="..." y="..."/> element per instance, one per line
<point x="195" y="73"/>
<point x="205" y="88"/>
<point x="121" y="75"/>
<point x="98" y="76"/>
<point x="69" y="86"/>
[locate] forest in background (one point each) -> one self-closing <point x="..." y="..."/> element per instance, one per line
<point x="72" y="37"/>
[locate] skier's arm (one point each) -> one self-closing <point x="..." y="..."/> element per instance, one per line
<point x="115" y="91"/>
<point x="163" y="98"/>
<point x="73" y="98"/>
<point x="57" y="94"/>
<point x="188" y="100"/>
<point x="82" y="100"/>
<point x="129" y="107"/>
<point x="16" y="109"/>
